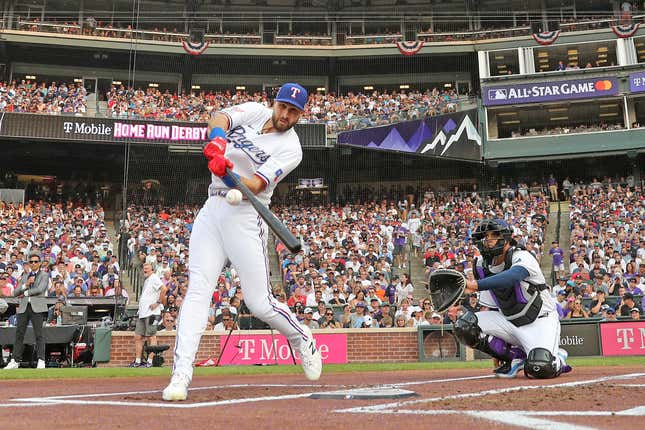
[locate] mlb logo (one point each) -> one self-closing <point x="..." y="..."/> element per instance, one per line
<point x="497" y="94"/>
<point x="278" y="173"/>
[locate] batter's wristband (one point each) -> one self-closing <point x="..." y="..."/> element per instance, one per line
<point x="228" y="181"/>
<point x="217" y="132"/>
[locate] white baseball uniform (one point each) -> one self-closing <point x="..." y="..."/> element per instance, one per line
<point x="544" y="332"/>
<point x="238" y="233"/>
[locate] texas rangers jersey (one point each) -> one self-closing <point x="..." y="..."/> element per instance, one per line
<point x="527" y="260"/>
<point x="269" y="156"/>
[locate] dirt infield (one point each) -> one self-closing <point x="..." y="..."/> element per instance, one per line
<point x="598" y="398"/>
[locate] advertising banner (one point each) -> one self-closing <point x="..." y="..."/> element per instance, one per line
<point x="453" y="135"/>
<point x="112" y="130"/>
<point x="549" y="91"/>
<point x="623" y="338"/>
<point x="265" y="349"/>
<point x="637" y="82"/>
<point x="580" y="340"/>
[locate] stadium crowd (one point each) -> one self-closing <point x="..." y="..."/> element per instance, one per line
<point x="583" y="128"/>
<point x="73" y="244"/>
<point x="340" y="112"/>
<point x="53" y="99"/>
<point x="355" y="266"/>
<point x="606" y="270"/>
<point x="441" y="32"/>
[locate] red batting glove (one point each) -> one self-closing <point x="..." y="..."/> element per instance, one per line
<point x="215" y="147"/>
<point x="219" y="164"/>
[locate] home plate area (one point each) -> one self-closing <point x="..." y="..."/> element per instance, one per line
<point x="615" y="401"/>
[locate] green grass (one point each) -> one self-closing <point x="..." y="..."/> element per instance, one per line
<point x="119" y="372"/>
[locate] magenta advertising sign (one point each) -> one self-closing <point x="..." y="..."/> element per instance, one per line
<point x="264" y="349"/>
<point x="549" y="91"/>
<point x="623" y="338"/>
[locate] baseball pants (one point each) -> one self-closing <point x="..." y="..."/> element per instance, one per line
<point x="542" y="333"/>
<point x="238" y="233"/>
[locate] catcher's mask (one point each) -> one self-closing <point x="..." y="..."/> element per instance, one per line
<point x="497" y="226"/>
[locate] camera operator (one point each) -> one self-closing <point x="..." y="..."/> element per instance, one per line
<point x="31" y="291"/>
<point x="150" y="306"/>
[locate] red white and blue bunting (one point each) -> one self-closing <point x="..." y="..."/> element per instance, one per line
<point x="409" y="48"/>
<point x="194" y="48"/>
<point x="547" y="37"/>
<point x="625" y="31"/>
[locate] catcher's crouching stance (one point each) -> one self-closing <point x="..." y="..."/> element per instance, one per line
<point x="522" y="329"/>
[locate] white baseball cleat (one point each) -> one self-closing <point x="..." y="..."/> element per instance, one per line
<point x="177" y="389"/>
<point x="12" y="365"/>
<point x="41" y="364"/>
<point x="310" y="357"/>
<point x="510" y="371"/>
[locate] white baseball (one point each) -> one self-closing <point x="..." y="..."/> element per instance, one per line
<point x="234" y="197"/>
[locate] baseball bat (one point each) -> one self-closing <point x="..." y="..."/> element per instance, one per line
<point x="276" y="226"/>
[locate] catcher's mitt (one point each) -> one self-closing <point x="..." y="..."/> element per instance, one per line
<point x="446" y="287"/>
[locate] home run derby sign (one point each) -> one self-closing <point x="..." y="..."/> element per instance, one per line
<point x="549" y="91"/>
<point x="110" y="130"/>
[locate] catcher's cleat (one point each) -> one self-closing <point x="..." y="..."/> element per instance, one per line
<point x="509" y="369"/>
<point x="310" y="357"/>
<point x="177" y="390"/>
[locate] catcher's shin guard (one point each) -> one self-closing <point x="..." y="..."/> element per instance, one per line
<point x="468" y="332"/>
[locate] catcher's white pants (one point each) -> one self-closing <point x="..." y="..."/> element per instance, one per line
<point x="542" y="333"/>
<point x="238" y="233"/>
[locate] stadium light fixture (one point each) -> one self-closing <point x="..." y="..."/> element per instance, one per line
<point x="240" y="87"/>
<point x="78" y="80"/>
<point x="572" y="51"/>
<point x="404" y="86"/>
<point x="514" y="121"/>
<point x="608" y="114"/>
<point x="195" y="87"/>
<point x="30" y="77"/>
<point x="153" y="85"/>
<point x="543" y="54"/>
<point x="608" y="105"/>
<point x="603" y="49"/>
<point x="368" y="87"/>
<point x="448" y="85"/>
<point x="559" y="118"/>
<point x="558" y="109"/>
<point x="499" y="57"/>
<point x="322" y="89"/>
<point x="507" y="114"/>
<point x="116" y="82"/>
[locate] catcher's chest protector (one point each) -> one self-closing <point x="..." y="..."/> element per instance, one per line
<point x="513" y="303"/>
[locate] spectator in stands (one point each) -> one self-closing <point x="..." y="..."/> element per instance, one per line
<point x="329" y="321"/>
<point x="400" y="321"/>
<point x="6" y="289"/>
<point x="167" y="322"/>
<point x="309" y="321"/>
<point x="635" y="313"/>
<point x="578" y="310"/>
<point x="358" y="317"/>
<point x="626" y="305"/>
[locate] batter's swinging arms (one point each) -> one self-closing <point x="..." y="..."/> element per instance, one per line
<point x="260" y="145"/>
<point x="523" y="312"/>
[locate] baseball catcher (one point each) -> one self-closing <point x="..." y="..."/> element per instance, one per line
<point x="522" y="328"/>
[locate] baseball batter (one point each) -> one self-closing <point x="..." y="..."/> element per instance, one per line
<point x="260" y="146"/>
<point x="523" y="312"/>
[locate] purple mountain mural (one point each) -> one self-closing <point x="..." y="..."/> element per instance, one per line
<point x="423" y="133"/>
